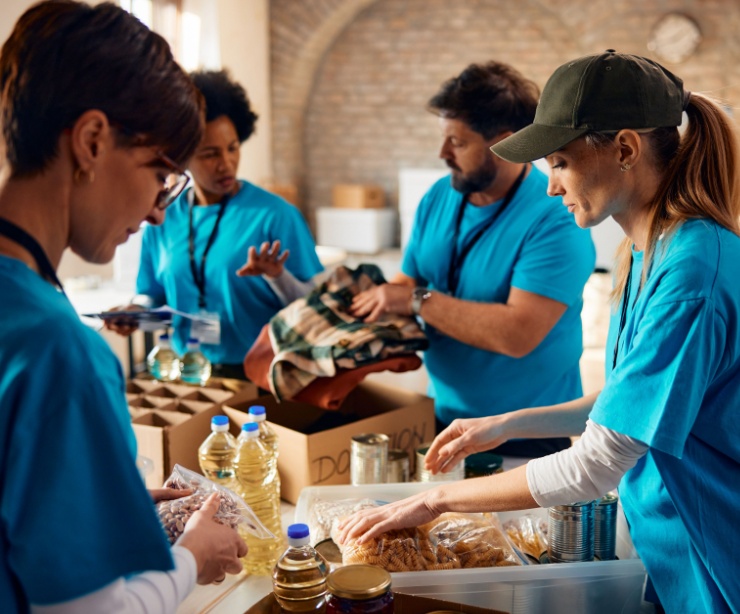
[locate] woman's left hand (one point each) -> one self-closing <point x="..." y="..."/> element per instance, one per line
<point x="167" y="494"/>
<point x="410" y="512"/>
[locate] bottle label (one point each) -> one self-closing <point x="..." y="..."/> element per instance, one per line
<point x="207" y="328"/>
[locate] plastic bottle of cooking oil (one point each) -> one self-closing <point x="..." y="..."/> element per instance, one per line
<point x="256" y="471"/>
<point x="217" y="454"/>
<point x="268" y="436"/>
<point x="299" y="577"/>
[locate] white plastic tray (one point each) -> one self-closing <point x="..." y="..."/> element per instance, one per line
<point x="599" y="587"/>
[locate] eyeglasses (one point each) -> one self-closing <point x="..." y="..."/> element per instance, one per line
<point x="174" y="183"/>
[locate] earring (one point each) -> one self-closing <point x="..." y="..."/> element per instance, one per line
<point x="625" y="167"/>
<point x="80" y="174"/>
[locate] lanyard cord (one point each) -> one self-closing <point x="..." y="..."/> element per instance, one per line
<point x="199" y="276"/>
<point x="25" y="240"/>
<point x="456" y="261"/>
<point x="625" y="309"/>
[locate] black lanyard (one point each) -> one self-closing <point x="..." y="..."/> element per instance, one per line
<point x="199" y="277"/>
<point x="25" y="240"/>
<point x="625" y="310"/>
<point x="456" y="261"/>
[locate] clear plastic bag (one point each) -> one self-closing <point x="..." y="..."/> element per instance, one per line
<point x="452" y="541"/>
<point x="232" y="511"/>
<point x="529" y="534"/>
<point x="324" y="512"/>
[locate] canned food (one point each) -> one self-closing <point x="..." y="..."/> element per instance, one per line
<point x="605" y="527"/>
<point x="398" y="466"/>
<point x="423" y="475"/>
<point x="359" y="589"/>
<point x="571" y="532"/>
<point x="369" y="458"/>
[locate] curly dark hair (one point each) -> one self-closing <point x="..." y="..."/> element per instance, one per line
<point x="225" y="97"/>
<point x="490" y="98"/>
<point x="65" y="57"/>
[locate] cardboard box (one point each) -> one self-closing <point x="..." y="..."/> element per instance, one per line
<point x="170" y="421"/>
<point x="357" y="196"/>
<point x="402" y="604"/>
<point x="288" y="191"/>
<point x="314" y="444"/>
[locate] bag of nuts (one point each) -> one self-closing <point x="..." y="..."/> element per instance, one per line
<point x="232" y="511"/>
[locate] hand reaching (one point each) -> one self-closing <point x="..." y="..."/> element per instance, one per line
<point x="268" y="261"/>
<point x="121" y="324"/>
<point x="463" y="438"/>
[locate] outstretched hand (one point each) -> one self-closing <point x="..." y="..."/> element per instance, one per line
<point x="461" y="439"/>
<point x="268" y="261"/>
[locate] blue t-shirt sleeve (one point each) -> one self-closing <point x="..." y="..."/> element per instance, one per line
<point x="76" y="510"/>
<point x="556" y="260"/>
<point x="656" y="390"/>
<point x="409" y="261"/>
<point x="146" y="278"/>
<point x="295" y="235"/>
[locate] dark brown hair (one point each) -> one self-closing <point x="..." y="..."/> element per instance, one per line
<point x="225" y="98"/>
<point x="64" y="58"/>
<point x="490" y="98"/>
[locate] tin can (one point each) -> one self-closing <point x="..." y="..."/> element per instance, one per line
<point x="571" y="532"/>
<point x="422" y="475"/>
<point x="398" y="466"/>
<point x="605" y="527"/>
<point x="369" y="458"/>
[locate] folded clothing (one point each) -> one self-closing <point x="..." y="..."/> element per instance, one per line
<point x="315" y="338"/>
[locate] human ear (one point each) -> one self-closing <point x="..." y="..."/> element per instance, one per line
<point x="89" y="138"/>
<point x="629" y="148"/>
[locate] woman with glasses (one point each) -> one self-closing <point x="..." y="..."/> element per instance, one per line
<point x="91" y="146"/>
<point x="666" y="426"/>
<point x="190" y="262"/>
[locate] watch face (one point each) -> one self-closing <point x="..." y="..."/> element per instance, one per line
<point x="675" y="37"/>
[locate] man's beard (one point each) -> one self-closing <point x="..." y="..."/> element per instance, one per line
<point x="477" y="181"/>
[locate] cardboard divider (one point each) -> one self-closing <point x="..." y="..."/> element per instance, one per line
<point x="186" y="406"/>
<point x="142" y="386"/>
<point x="153" y="402"/>
<point x="314" y="444"/>
<point x="208" y="395"/>
<point x="137" y="412"/>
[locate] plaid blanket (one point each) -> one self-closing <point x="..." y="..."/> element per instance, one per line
<point x="315" y="335"/>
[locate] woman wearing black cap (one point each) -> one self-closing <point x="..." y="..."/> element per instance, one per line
<point x="665" y="427"/>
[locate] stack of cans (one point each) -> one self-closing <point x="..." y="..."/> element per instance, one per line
<point x="369" y="459"/>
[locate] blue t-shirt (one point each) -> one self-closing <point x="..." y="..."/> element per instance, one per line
<point x="676" y="387"/>
<point x="74" y="512"/>
<point x="535" y="246"/>
<point x="244" y="304"/>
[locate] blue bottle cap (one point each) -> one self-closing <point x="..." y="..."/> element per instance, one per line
<point x="220" y="420"/>
<point x="249" y="426"/>
<point x="164" y="337"/>
<point x="257" y="410"/>
<point x="298" y="530"/>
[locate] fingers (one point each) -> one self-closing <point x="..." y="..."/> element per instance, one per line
<point x="167" y="494"/>
<point x="210" y="507"/>
<point x="219" y="580"/>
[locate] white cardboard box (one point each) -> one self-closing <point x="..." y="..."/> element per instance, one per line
<point x="597" y="587"/>
<point x="365" y="231"/>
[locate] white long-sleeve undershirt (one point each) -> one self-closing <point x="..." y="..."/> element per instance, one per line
<point x="593" y="466"/>
<point x="151" y="592"/>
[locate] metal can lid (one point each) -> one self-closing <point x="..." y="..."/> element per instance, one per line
<point x="371" y="439"/>
<point x="358" y="582"/>
<point x="482" y="463"/>
<point x="395" y="455"/>
<point x="607" y="499"/>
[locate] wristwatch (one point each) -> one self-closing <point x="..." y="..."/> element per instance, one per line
<point x="418" y="296"/>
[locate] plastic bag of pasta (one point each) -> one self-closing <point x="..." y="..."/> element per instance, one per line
<point x="324" y="512"/>
<point x="452" y="541"/>
<point x="232" y="510"/>
<point x="529" y="534"/>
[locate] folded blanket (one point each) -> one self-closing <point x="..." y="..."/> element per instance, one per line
<point x="315" y="336"/>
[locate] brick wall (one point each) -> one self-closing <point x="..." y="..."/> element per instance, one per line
<point x="351" y="77"/>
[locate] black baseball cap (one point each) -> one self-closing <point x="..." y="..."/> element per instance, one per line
<point x="604" y="92"/>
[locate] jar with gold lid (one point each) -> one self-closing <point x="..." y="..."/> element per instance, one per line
<point x="359" y="589"/>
